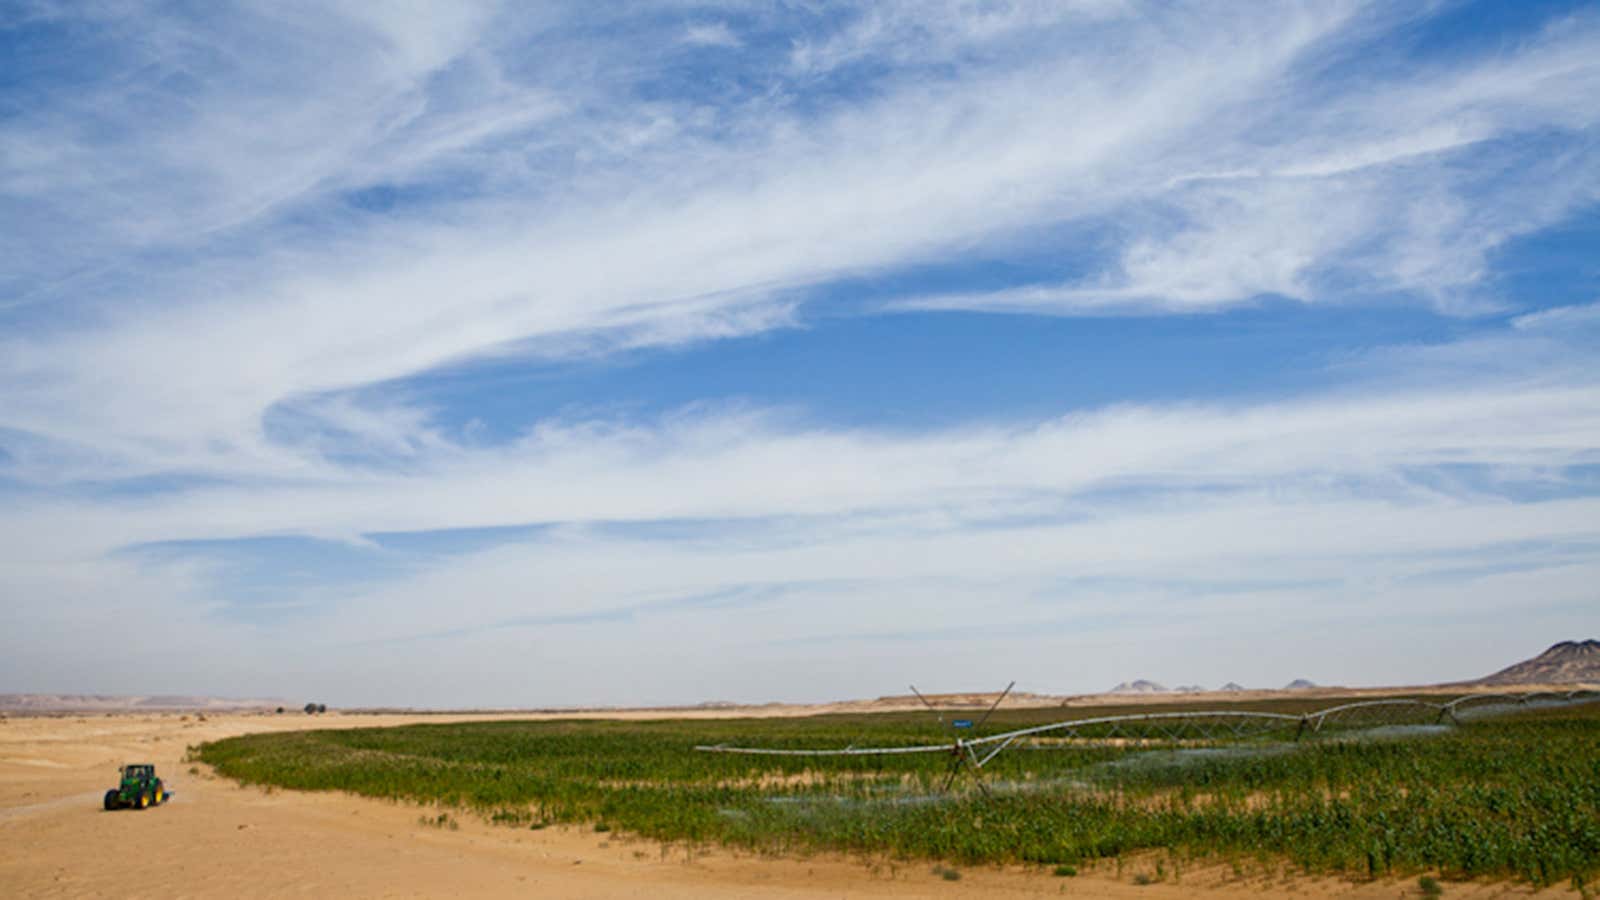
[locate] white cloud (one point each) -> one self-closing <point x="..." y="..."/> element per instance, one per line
<point x="933" y="33"/>
<point x="711" y="34"/>
<point x="922" y="169"/>
<point x="1396" y="187"/>
<point x="197" y="128"/>
<point x="1160" y="591"/>
<point x="1560" y="318"/>
<point x="205" y="306"/>
<point x="1110" y="533"/>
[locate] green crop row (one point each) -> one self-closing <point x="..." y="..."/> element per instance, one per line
<point x="1517" y="796"/>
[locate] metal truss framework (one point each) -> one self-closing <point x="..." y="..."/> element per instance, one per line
<point x="1193" y="727"/>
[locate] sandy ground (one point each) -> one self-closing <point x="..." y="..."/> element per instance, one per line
<point x="216" y="839"/>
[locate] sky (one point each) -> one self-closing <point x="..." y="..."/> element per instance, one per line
<point x="471" y="354"/>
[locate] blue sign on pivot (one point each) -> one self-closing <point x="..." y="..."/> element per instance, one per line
<point x="962" y="723"/>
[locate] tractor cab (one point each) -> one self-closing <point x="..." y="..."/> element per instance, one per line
<point x="139" y="788"/>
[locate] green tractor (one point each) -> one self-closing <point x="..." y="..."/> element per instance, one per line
<point x="140" y="788"/>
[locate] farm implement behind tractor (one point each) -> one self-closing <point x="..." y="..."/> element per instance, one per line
<point x="139" y="789"/>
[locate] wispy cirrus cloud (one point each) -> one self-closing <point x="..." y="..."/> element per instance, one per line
<point x="201" y="125"/>
<point x="920" y="169"/>
<point x="1394" y="188"/>
<point x="241" y="239"/>
<point x="711" y="34"/>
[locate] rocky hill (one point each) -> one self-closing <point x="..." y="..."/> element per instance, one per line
<point x="1569" y="662"/>
<point x="1140" y="686"/>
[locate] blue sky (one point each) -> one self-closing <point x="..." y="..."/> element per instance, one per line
<point x="474" y="354"/>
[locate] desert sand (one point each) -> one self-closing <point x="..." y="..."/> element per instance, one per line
<point x="217" y="839"/>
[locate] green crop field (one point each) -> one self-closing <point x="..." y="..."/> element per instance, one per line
<point x="1513" y="796"/>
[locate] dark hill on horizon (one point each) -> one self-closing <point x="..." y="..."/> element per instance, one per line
<point x="1568" y="662"/>
<point x="1140" y="686"/>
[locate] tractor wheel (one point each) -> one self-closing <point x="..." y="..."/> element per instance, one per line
<point x="161" y="795"/>
<point x="112" y="799"/>
<point x="144" y="800"/>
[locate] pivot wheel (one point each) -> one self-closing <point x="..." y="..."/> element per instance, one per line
<point x="161" y="795"/>
<point x="112" y="800"/>
<point x="144" y="800"/>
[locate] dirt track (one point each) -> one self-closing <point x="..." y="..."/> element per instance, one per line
<point x="216" y="839"/>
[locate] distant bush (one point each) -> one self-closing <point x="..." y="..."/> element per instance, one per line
<point x="442" y="820"/>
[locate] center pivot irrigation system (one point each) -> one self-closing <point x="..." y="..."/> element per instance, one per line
<point x="1184" y="727"/>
